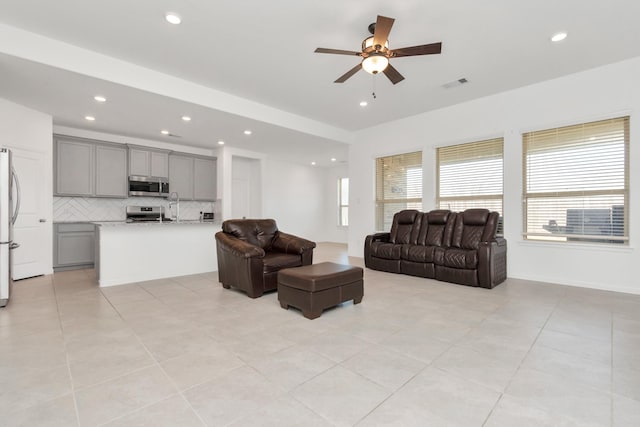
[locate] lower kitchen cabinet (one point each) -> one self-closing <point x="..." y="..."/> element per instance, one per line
<point x="73" y="245"/>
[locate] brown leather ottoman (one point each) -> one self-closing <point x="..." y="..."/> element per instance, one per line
<point x="312" y="288"/>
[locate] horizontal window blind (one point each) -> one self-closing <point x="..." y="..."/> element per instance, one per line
<point x="398" y="186"/>
<point x="576" y="182"/>
<point x="471" y="176"/>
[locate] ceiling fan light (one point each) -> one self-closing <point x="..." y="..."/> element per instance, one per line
<point x="368" y="43"/>
<point x="375" y="63"/>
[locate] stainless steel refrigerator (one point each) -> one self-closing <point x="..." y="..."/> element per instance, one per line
<point x="8" y="215"/>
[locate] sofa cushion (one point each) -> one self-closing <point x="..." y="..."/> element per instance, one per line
<point x="405" y="227"/>
<point x="434" y="230"/>
<point x="258" y="232"/>
<point x="385" y="250"/>
<point x="275" y="261"/>
<point x="418" y="253"/>
<point x="460" y="258"/>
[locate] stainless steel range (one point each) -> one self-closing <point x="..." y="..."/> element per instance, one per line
<point x="146" y="214"/>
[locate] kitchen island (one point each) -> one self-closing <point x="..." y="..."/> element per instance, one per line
<point x="141" y="251"/>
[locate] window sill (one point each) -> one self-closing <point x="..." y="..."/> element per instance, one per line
<point x="593" y="247"/>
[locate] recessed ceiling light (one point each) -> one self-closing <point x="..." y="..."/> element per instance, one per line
<point x="164" y="132"/>
<point x="186" y="118"/>
<point x="100" y="98"/>
<point x="558" y="37"/>
<point x="313" y="163"/>
<point x="364" y="103"/>
<point x="221" y="142"/>
<point x="333" y="159"/>
<point x="90" y="118"/>
<point x="172" y="18"/>
<point x="247" y="132"/>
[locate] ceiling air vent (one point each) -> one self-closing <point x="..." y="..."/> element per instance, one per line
<point x="455" y="83"/>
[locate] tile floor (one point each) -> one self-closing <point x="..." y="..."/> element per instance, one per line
<point x="186" y="352"/>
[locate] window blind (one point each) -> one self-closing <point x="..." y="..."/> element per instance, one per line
<point x="470" y="176"/>
<point x="398" y="186"/>
<point x="576" y="182"/>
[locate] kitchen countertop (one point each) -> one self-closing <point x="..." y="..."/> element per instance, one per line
<point x="154" y="223"/>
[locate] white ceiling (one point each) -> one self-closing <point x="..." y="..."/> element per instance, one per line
<point x="254" y="63"/>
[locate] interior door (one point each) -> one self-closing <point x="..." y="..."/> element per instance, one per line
<point x="32" y="228"/>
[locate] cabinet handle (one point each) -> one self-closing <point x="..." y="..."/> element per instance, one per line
<point x="43" y="220"/>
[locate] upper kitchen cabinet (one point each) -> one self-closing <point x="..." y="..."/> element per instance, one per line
<point x="89" y="168"/>
<point x="193" y="177"/>
<point x="146" y="162"/>
<point x="181" y="176"/>
<point x="74" y="168"/>
<point x="204" y="178"/>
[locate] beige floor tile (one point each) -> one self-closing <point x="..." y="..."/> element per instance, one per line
<point x="626" y="412"/>
<point x="357" y="396"/>
<point x="575" y="345"/>
<point x="112" y="399"/>
<point x="493" y="369"/>
<point x="233" y="396"/>
<point x="24" y="391"/>
<point x="384" y="367"/>
<point x="576" y="369"/>
<point x="285" y="412"/>
<point x="435" y="397"/>
<point x="292" y="366"/>
<point x="557" y="395"/>
<point x="336" y="345"/>
<point x="410" y="343"/>
<point x="60" y="412"/>
<point x="171" y="412"/>
<point x="163" y="347"/>
<point x="626" y="382"/>
<point x="510" y="412"/>
<point x="195" y="368"/>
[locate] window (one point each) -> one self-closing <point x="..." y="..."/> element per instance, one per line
<point x="576" y="183"/>
<point x="470" y="176"/>
<point x="398" y="186"/>
<point x="343" y="202"/>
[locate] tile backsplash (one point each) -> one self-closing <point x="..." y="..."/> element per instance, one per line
<point x="68" y="209"/>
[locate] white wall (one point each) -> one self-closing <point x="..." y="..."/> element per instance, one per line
<point x="26" y="129"/>
<point x="332" y="231"/>
<point x="294" y="196"/>
<point x="604" y="92"/>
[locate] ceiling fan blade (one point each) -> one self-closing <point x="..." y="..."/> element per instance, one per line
<point x="383" y="28"/>
<point x="393" y="74"/>
<point x="337" y="51"/>
<point x="343" y="78"/>
<point x="425" y="49"/>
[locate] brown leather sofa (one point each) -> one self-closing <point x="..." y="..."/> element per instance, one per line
<point x="252" y="251"/>
<point x="453" y="247"/>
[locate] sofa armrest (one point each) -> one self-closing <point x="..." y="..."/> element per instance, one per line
<point x="371" y="238"/>
<point x="378" y="237"/>
<point x="290" y="244"/>
<point x="492" y="262"/>
<point x="238" y="247"/>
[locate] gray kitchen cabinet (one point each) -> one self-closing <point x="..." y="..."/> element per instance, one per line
<point x="73" y="245"/>
<point x="146" y="162"/>
<point x="204" y="178"/>
<point x="181" y="176"/>
<point x="74" y="168"/>
<point x="111" y="171"/>
<point x="89" y="168"/>
<point x="193" y="177"/>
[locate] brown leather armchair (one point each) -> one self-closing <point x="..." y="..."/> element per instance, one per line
<point x="252" y="251"/>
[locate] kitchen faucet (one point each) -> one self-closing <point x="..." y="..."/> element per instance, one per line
<point x="174" y="200"/>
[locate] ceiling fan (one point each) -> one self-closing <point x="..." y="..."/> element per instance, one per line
<point x="376" y="53"/>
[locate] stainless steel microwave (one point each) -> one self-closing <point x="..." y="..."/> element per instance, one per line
<point x="148" y="186"/>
